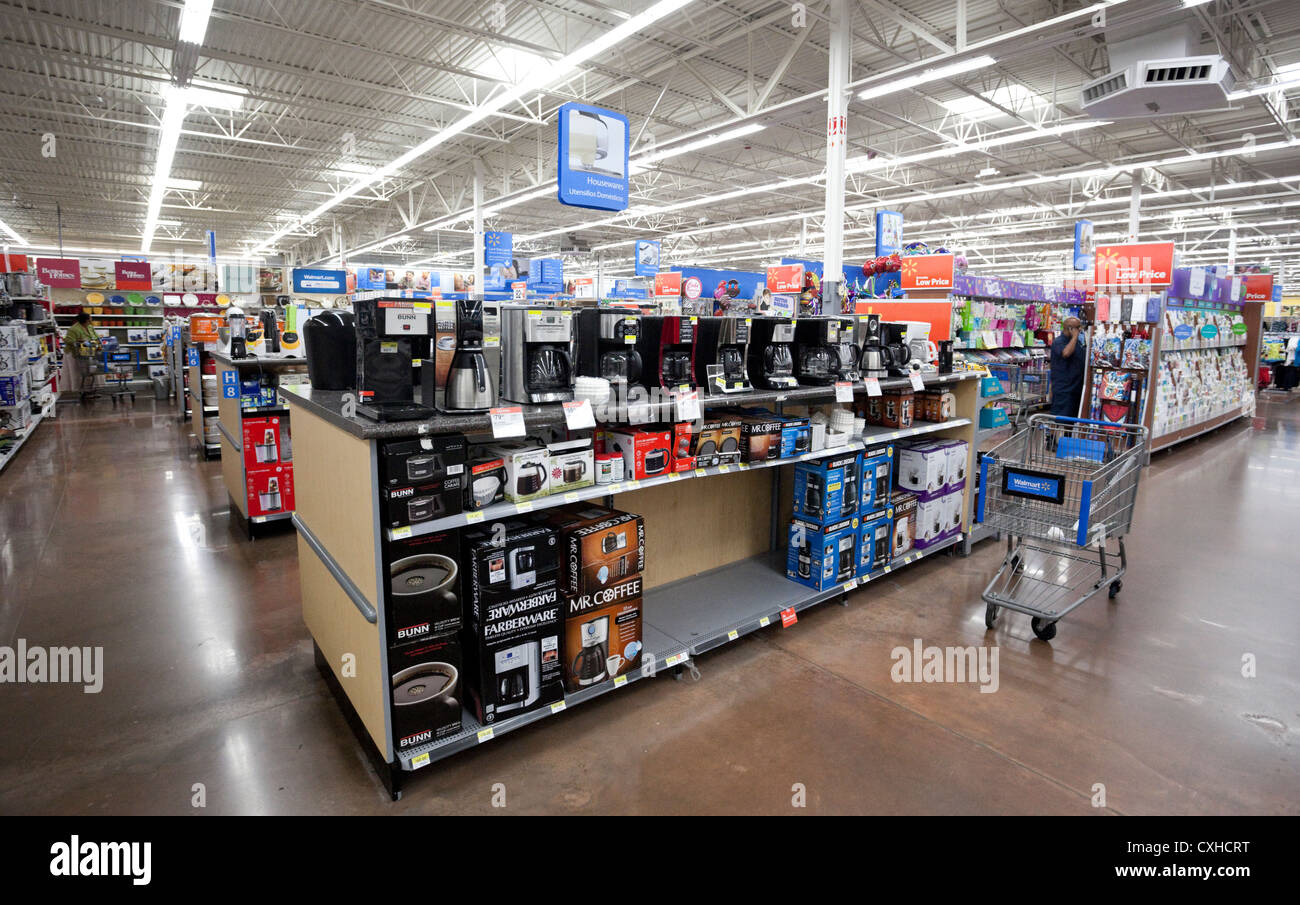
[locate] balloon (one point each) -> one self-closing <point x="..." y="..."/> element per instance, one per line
<point x="895" y="262"/>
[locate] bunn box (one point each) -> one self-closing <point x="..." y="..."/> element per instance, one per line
<point x="904" y="506"/>
<point x="425" y="684"/>
<point x="822" y="556"/>
<point x="875" y="540"/>
<point x="406" y="463"/>
<point x="826" y="490"/>
<point x="408" y="507"/>
<point x="599" y="547"/>
<point x="508" y="558"/>
<point x="512" y="654"/>
<point x="602" y="634"/>
<point x="423" y="585"/>
<point x="877" y="477"/>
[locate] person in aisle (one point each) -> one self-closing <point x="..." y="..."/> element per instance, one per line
<point x="1069" y="354"/>
<point x="81" y="344"/>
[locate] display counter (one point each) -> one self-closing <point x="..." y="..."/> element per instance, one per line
<point x="714" y="564"/>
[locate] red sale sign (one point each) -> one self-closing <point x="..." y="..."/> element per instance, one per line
<point x="1140" y="264"/>
<point x="1259" y="287"/>
<point x="787" y="278"/>
<point x="133" y="275"/>
<point x="669" y="284"/>
<point x="926" y="272"/>
<point x="59" y="273"/>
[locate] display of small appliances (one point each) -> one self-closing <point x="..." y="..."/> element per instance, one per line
<point x="536" y="364"/>
<point x="424" y="584"/>
<point x="425" y="682"/>
<point x="721" y="353"/>
<point x="667" y="347"/>
<point x="771" y="353"/>
<point x="816" y="357"/>
<point x="822" y="556"/>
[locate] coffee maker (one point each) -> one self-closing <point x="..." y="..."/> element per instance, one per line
<point x="270" y="330"/>
<point x="536" y="365"/>
<point x="386" y="331"/>
<point x="771" y="355"/>
<point x="846" y="352"/>
<point x="870" y="339"/>
<point x="721" y="346"/>
<point x="816" y="358"/>
<point x="607" y="344"/>
<point x="898" y="354"/>
<point x="469" y="383"/>
<point x="589" y="664"/>
<point x="667" y="347"/>
<point x="518" y="676"/>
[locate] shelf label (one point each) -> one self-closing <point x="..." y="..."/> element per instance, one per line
<point x="402" y="533"/>
<point x="680" y="657"/>
<point x="675" y="476"/>
<point x="873" y="386"/>
<point x="850" y="584"/>
<point x="764" y="622"/>
<point x="843" y="391"/>
<point x="473" y="517"/>
<point x="578" y="414"/>
<point x="724" y="469"/>
<point x="558" y="706"/>
<point x="688" y="406"/>
<point x="733" y="635"/>
<point x="526" y="506"/>
<point x="572" y="496"/>
<point x="507" y="421"/>
<point x="485" y="735"/>
<point x="917" y="383"/>
<point x="420" y="760"/>
<point x="620" y="681"/>
<point x="788" y="617"/>
<point x="701" y="472"/>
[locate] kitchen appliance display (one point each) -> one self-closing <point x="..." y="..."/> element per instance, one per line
<point x="589" y="665"/>
<point x="872" y="359"/>
<point x="387" y="334"/>
<point x="607" y="345"/>
<point x="667" y="347"/>
<point x="847" y="359"/>
<point x="721" y="348"/>
<point x="771" y="356"/>
<point x="536" y="366"/>
<point x="469" y="385"/>
<point x="817" y="359"/>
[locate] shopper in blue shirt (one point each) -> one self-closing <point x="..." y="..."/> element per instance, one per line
<point x="1069" y="354"/>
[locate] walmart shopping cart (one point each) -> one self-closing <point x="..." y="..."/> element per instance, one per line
<point x="1062" y="490"/>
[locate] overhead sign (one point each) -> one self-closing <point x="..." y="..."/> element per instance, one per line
<point x="1145" y="264"/>
<point x="926" y="272"/>
<point x="889" y="232"/>
<point x="137" y="275"/>
<point x="1259" y="287"/>
<point x="308" y="280"/>
<point x="1277" y="292"/>
<point x="668" y="284"/>
<point x="59" y="273"/>
<point x="498" y="255"/>
<point x="1083" y="245"/>
<point x="785" y="278"/>
<point x="646" y="263"/>
<point x="12" y="263"/>
<point x="592" y="166"/>
<point x="238" y="278"/>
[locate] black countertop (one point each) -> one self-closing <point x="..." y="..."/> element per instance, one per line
<point x="328" y="404"/>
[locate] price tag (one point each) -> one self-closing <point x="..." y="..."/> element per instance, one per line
<point x="917" y="383"/>
<point x="850" y="584"/>
<point x="733" y="635"/>
<point x="578" y="414"/>
<point x="873" y="386"/>
<point x="422" y="306"/>
<point x="675" y="476"/>
<point x="701" y="472"/>
<point x="525" y="506"/>
<point x="401" y="533"/>
<point x="724" y="469"/>
<point x="558" y="706"/>
<point x="620" y="681"/>
<point x="688" y="406"/>
<point x="473" y="517"/>
<point x="485" y="735"/>
<point x="788" y="617"/>
<point x="843" y="391"/>
<point x="507" y="421"/>
<point x="420" y="760"/>
<point x="614" y="488"/>
<point x="764" y="622"/>
<point x="681" y="657"/>
<point x="572" y="496"/>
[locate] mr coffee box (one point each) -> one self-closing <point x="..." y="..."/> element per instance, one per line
<point x="598" y="546"/>
<point x="425" y="680"/>
<point x="760" y="436"/>
<point x="424" y="586"/>
<point x="602" y="633"/>
<point x="904" y="506"/>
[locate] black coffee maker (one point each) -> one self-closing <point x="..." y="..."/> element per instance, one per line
<point x="721" y="347"/>
<point x="536" y="360"/>
<point x="386" y="330"/>
<point x="469" y="383"/>
<point x="816" y="358"/>
<point x="898" y="354"/>
<point x="870" y="340"/>
<point x="667" y="347"/>
<point x="771" y="353"/>
<point x="847" y="365"/>
<point x="607" y="344"/>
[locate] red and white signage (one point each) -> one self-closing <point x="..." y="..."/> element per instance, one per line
<point x="692" y="288"/>
<point x="668" y="284"/>
<point x="12" y="263"/>
<point x="786" y="278"/>
<point x="584" y="288"/>
<point x="133" y="275"/>
<point x="59" y="273"/>
<point x="927" y="272"/>
<point x="1140" y="264"/>
<point x="1259" y="287"/>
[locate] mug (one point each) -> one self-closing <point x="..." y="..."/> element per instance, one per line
<point x="613" y="663"/>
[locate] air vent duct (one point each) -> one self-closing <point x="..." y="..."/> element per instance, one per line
<point x="1157" y="75"/>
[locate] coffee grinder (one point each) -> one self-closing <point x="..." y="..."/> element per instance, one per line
<point x="469" y="383"/>
<point x="771" y="355"/>
<point x="871" y="343"/>
<point x="536" y="366"/>
<point x="607" y="344"/>
<point x="721" y="347"/>
<point x="589" y="664"/>
<point x="816" y="358"/>
<point x="386" y="329"/>
<point x="667" y="347"/>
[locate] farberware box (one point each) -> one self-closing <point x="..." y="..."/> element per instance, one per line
<point x="426" y="690"/>
<point x="508" y="558"/>
<point x="512" y="654"/>
<point x="410" y="462"/>
<point x="826" y="490"/>
<point x="424" y="585"/>
<point x="822" y="556"/>
<point x="270" y="490"/>
<point x="646" y="453"/>
<point x="598" y="546"/>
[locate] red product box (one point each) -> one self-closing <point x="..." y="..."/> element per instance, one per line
<point x="646" y="454"/>
<point x="263" y="444"/>
<point x="682" y="459"/>
<point x="270" y="490"/>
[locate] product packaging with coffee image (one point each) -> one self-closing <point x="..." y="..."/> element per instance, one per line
<point x="426" y="690"/>
<point x="423" y="586"/>
<point x="602" y="634"/>
<point x="512" y="653"/>
<point x="599" y="546"/>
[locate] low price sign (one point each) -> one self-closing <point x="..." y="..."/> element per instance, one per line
<point x="1138" y="264"/>
<point x="1259" y="287"/>
<point x="926" y="272"/>
<point x="786" y="278"/>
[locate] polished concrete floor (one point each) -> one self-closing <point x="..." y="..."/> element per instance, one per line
<point x="114" y="533"/>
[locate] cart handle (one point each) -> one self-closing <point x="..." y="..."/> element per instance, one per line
<point x="1067" y="418"/>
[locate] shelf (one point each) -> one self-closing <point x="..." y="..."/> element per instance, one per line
<point x="151" y="317"/>
<point x="1203" y="348"/>
<point x="1181" y="434"/>
<point x="871" y="436"/>
<point x="274" y="517"/>
<point x="13" y="450"/>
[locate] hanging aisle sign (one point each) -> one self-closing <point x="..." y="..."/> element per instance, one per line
<point x="889" y="233"/>
<point x="133" y="275"/>
<point x="1146" y="264"/>
<point x="1083" y="245"/>
<point x="927" y="272"/>
<point x="592" y="166"/>
<point x="646" y="262"/>
<point x="59" y="273"/>
<point x="327" y="282"/>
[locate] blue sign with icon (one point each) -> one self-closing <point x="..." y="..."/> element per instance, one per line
<point x="1183" y="332"/>
<point x="592" y="167"/>
<point x="1083" y="246"/>
<point x="889" y="233"/>
<point x="322" y="282"/>
<point x="498" y="255"/>
<point x="646" y="262"/>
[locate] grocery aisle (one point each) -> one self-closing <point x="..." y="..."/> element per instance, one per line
<point x="209" y="675"/>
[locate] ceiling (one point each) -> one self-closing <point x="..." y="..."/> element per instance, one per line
<point x="337" y="89"/>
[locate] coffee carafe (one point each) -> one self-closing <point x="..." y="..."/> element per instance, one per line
<point x="870" y="339"/>
<point x="771" y="356"/>
<point x="536" y="364"/>
<point x="816" y="359"/>
<point x="667" y="347"/>
<point x="589" y="664"/>
<point x="721" y="347"/>
<point x="607" y="344"/>
<point x="469" y="384"/>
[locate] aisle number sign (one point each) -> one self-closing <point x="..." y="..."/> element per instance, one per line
<point x="1137" y="264"/>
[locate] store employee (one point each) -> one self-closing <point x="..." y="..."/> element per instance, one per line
<point x="1068" y="358"/>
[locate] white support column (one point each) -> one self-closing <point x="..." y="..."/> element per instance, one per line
<point x="961" y="26"/>
<point x="478" y="230"/>
<point x="1134" y="203"/>
<point x="841" y="47"/>
<point x="1232" y="246"/>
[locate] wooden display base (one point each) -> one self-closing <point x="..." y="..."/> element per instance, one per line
<point x="1164" y="441"/>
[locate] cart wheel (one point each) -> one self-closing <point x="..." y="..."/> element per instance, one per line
<point x="1115" y="587"/>
<point x="1045" y="631"/>
<point x="990" y="616"/>
<point x="1016" y="565"/>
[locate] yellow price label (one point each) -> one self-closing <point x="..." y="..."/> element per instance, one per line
<point x="401" y="533"/>
<point x="485" y="734"/>
<point x="473" y="517"/>
<point x="572" y="496"/>
<point x="420" y="760"/>
<point x="558" y="706"/>
<point x="733" y="635"/>
<point x="524" y="507"/>
<point x="764" y="622"/>
<point x="620" y="681"/>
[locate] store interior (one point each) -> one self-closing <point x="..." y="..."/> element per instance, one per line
<point x="649" y="408"/>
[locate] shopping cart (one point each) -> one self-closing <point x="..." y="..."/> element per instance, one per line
<point x="119" y="370"/>
<point x="1063" y="491"/>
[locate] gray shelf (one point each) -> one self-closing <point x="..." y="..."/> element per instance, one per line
<point x="18" y="444"/>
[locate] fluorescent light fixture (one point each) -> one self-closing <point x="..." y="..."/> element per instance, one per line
<point x="168" y="135"/>
<point x="1013" y="97"/>
<point x="185" y="185"/>
<point x="9" y="230"/>
<point x="549" y="75"/>
<point x="641" y="161"/>
<point x="1188" y="4"/>
<point x="927" y="75"/>
<point x="194" y="21"/>
<point x="214" y="96"/>
<point x="352" y="169"/>
<point x="167" y="223"/>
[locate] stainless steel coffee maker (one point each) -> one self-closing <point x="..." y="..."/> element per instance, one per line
<point x="870" y="339"/>
<point x="469" y="383"/>
<point x="536" y="354"/>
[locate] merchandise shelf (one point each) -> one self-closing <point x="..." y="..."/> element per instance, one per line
<point x="7" y="457"/>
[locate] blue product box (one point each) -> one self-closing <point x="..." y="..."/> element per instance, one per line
<point x="877" y="477"/>
<point x="822" y="556"/>
<point x="826" y="490"/>
<point x="875" y="533"/>
<point x="796" y="436"/>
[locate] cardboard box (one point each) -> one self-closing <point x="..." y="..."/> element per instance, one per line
<point x="875" y="540"/>
<point x="262" y="441"/>
<point x="404" y="463"/>
<point x="646" y="453"/>
<point x="958" y="460"/>
<point x="508" y="558"/>
<point x="877" y="477"/>
<point x="269" y="489"/>
<point x="404" y="507"/>
<point x="955" y="512"/>
<point x="528" y="468"/>
<point x="822" y="556"/>
<point x="512" y="654"/>
<point x="602" y="634"/>
<point x="573" y="464"/>
<point x="897" y="409"/>
<point x="424" y="588"/>
<point x="796" y="436"/>
<point x="760" y="436"/>
<point x="718" y="440"/>
<point x="16" y="417"/>
<point x="904" y="506"/>
<point x="826" y="490"/>
<point x="683" y="435"/>
<point x="931" y="519"/>
<point x="922" y="466"/>
<point x="485" y="481"/>
<point x="13" y="336"/>
<point x="425" y="684"/>
<point x="13" y="361"/>
<point x="15" y="389"/>
<point x="874" y="410"/>
<point x="598" y="546"/>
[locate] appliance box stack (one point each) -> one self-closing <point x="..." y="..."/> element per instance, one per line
<point x="424" y="480"/>
<point x="822" y="556"/>
<point x="15" y="388"/>
<point x="935" y="472"/>
<point x="826" y="490"/>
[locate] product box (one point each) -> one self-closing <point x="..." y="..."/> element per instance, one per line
<point x="683" y="459"/>
<point x="528" y="468"/>
<point x="875" y="540"/>
<point x="137" y="335"/>
<point x="922" y="466"/>
<point x="822" y="556"/>
<point x="404" y="463"/>
<point x="153" y="336"/>
<point x="958" y="460"/>
<point x="261" y="441"/>
<point x="826" y="490"/>
<point x="154" y="353"/>
<point x="405" y="507"/>
<point x="17" y="417"/>
<point x="874" y="410"/>
<point x="904" y="506"/>
<point x="602" y="634"/>
<point x="15" y="388"/>
<point x="598" y="546"/>
<point x="512" y="654"/>
<point x="876" y="479"/>
<point x="646" y="453"/>
<point x="426" y="690"/>
<point x="572" y="463"/>
<point x="485" y="481"/>
<point x="796" y="436"/>
<point x="993" y="416"/>
<point x="760" y="436"/>
<point x="955" y="514"/>
<point x="13" y="336"/>
<point x="12" y="361"/>
<point x="931" y="519"/>
<point x="718" y="440"/>
<point x="897" y="409"/>
<point x="426" y="586"/>
<point x="506" y="559"/>
<point x="270" y="490"/>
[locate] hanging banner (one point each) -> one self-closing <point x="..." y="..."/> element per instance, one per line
<point x="1277" y="292"/>
<point x="583" y="288"/>
<point x="97" y="273"/>
<point x="370" y="278"/>
<point x="668" y="284"/>
<point x="12" y="263"/>
<point x="59" y="273"/>
<point x="270" y="280"/>
<point x="646" y="262"/>
<point x="592" y="166"/>
<point x="1259" y="287"/>
<point x="786" y="278"/>
<point x="1146" y="264"/>
<point x="927" y="272"/>
<point x="889" y="232"/>
<point x="692" y="288"/>
<point x="309" y="280"/>
<point x="1083" y="247"/>
<point x="133" y="275"/>
<point x="498" y="255"/>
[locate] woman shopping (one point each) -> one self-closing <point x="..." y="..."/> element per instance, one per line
<point x="81" y="345"/>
